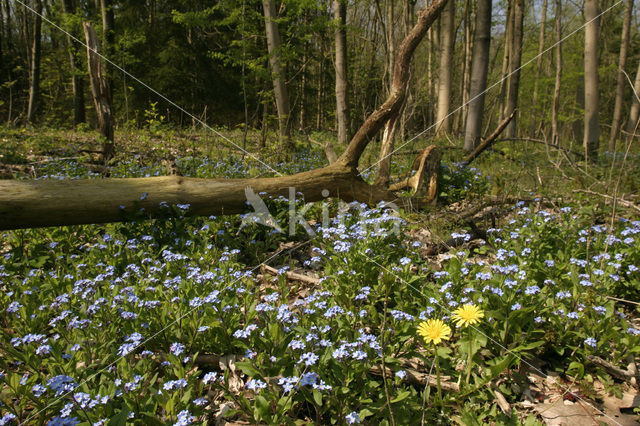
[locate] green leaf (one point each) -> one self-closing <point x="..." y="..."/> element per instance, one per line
<point x="248" y="368"/>
<point x="401" y="396"/>
<point x="364" y="413"/>
<point x="576" y="369"/>
<point x="317" y="397"/>
<point x="262" y="410"/>
<point x="151" y="419"/>
<point x="120" y="419"/>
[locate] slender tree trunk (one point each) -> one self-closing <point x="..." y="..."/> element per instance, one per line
<point x="389" y="133"/>
<point x="320" y="92"/>
<point x="9" y="25"/>
<point x="1" y="39"/>
<point x="398" y="90"/>
<point x="34" y="88"/>
<point x="303" y="92"/>
<point x="555" y="138"/>
<point x="100" y="91"/>
<point x="541" y="39"/>
<point x="444" y="81"/>
<point x="622" y="63"/>
<point x="514" y="67"/>
<point x="77" y="82"/>
<point x="506" y="59"/>
<point x="591" y="95"/>
<point x="108" y="40"/>
<point x="406" y="113"/>
<point x="277" y="71"/>
<point x="635" y="104"/>
<point x="480" y="67"/>
<point x="342" y="103"/>
<point x="433" y="77"/>
<point x="391" y="45"/>
<point x="466" y="69"/>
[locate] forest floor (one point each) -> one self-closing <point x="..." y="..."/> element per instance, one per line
<point x="529" y="258"/>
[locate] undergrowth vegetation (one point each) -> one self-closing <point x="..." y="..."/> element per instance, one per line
<point x="175" y="321"/>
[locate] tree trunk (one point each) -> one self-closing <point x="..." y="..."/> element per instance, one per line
<point x="100" y="91"/>
<point x="591" y="95"/>
<point x="466" y="70"/>
<point x="555" y="138"/>
<point x="34" y="87"/>
<point x="514" y="67"/>
<point x="96" y="201"/>
<point x="1" y="39"/>
<point x="390" y="41"/>
<point x="320" y="91"/>
<point x="447" y="29"/>
<point x="342" y="103"/>
<point x="622" y="63"/>
<point x="277" y="72"/>
<point x="480" y="67"/>
<point x="77" y="82"/>
<point x="8" y="26"/>
<point x="541" y="40"/>
<point x="389" y="133"/>
<point x="635" y="104"/>
<point x="108" y="40"/>
<point x="506" y="59"/>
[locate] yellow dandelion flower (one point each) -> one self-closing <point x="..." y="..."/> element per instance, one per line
<point x="466" y="315"/>
<point x="434" y="330"/>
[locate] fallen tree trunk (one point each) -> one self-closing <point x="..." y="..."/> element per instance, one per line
<point x="40" y="203"/>
<point x="25" y="204"/>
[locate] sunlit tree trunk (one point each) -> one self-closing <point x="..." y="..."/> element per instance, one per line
<point x="541" y="41"/>
<point x="444" y="80"/>
<point x="1" y="37"/>
<point x="466" y="70"/>
<point x="479" y="69"/>
<point x="77" y="82"/>
<point x="278" y="76"/>
<point x="108" y="40"/>
<point x="622" y="63"/>
<point x="504" y="82"/>
<point x="34" y="73"/>
<point x="591" y="95"/>
<point x="514" y="67"/>
<point x="635" y="104"/>
<point x="390" y="128"/>
<point x="398" y="89"/>
<point x="555" y="138"/>
<point x="100" y="91"/>
<point x="342" y="104"/>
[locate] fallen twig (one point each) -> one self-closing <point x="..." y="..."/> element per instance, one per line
<point x="291" y="275"/>
<point x="541" y="142"/>
<point x="490" y="140"/>
<point x="416" y="378"/>
<point x="611" y="369"/>
<point x="619" y="200"/>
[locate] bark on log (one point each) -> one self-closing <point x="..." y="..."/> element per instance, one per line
<point x="40" y="203"/>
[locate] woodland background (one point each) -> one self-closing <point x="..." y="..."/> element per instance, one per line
<point x="212" y="58"/>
